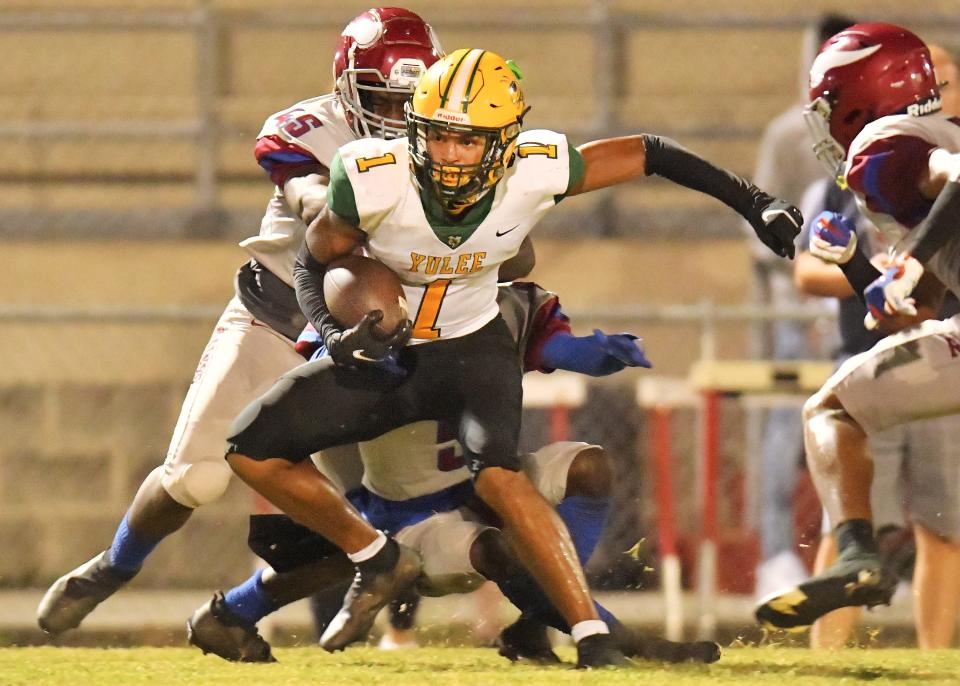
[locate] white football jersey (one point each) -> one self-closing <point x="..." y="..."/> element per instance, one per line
<point x="908" y="137"/>
<point x="317" y="127"/>
<point x="450" y="283"/>
<point x="412" y="461"/>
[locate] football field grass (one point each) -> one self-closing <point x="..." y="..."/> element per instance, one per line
<point x="49" y="666"/>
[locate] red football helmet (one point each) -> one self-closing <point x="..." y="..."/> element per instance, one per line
<point x="863" y="73"/>
<point x="383" y="50"/>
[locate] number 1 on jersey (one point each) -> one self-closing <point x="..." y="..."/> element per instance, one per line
<point x="424" y="326"/>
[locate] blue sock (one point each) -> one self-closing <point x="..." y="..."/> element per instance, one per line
<point x="250" y="600"/>
<point x="584" y="517"/>
<point x="606" y="615"/>
<point x="129" y="550"/>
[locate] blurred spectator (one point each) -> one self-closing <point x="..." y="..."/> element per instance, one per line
<point x="787" y="166"/>
<point x="916" y="466"/>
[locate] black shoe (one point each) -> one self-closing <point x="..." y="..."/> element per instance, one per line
<point x="75" y="594"/>
<point x="367" y="595"/>
<point x="215" y="629"/>
<point x="599" y="650"/>
<point x="858" y="578"/>
<point x="526" y="639"/>
<point x="898" y="550"/>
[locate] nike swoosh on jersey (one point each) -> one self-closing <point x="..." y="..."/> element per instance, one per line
<point x="507" y="231"/>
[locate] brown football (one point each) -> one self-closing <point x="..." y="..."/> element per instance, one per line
<point x="355" y="285"/>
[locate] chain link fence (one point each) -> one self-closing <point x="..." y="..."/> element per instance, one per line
<point x="137" y="120"/>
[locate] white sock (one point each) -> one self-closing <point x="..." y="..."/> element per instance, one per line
<point x="369" y="551"/>
<point x="581" y="630"/>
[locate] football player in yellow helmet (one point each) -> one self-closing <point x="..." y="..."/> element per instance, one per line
<point x="462" y="126"/>
<point x="444" y="208"/>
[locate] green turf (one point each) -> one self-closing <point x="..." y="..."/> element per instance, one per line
<point x="449" y="666"/>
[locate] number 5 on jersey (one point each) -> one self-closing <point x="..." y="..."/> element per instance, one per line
<point x="425" y="325"/>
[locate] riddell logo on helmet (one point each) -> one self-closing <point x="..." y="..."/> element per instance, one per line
<point x="441" y="114"/>
<point x="919" y="109"/>
<point x="406" y="72"/>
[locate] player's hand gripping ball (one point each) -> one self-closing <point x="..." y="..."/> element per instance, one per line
<point x="366" y="298"/>
<point x="355" y="285"/>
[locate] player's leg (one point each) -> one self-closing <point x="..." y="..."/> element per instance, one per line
<point x="889" y="451"/>
<point x="314" y="407"/>
<point x="576" y="478"/>
<point x="584" y="503"/>
<point x="240" y="361"/>
<point x="227" y="625"/>
<point x="842" y="472"/>
<point x="402" y="613"/>
<point x="936" y="590"/>
<point x="494" y="558"/>
<point x="831" y="631"/>
<point x="489" y="426"/>
<point x="300" y="564"/>
<point x="934" y="504"/>
<point x="904" y="377"/>
<point x="489" y="429"/>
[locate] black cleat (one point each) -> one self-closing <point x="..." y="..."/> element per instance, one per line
<point x="367" y="595"/>
<point x="858" y="578"/>
<point x="75" y="594"/>
<point x="215" y="629"/>
<point x="898" y="550"/>
<point x="599" y="650"/>
<point x="662" y="650"/>
<point x="526" y="639"/>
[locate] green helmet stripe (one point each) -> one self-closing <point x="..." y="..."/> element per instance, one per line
<point x="453" y="74"/>
<point x="476" y="68"/>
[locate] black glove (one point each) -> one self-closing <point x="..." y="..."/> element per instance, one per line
<point x="360" y="345"/>
<point x="777" y="223"/>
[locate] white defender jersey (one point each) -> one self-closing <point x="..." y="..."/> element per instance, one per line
<point x="310" y="130"/>
<point x="450" y="280"/>
<point x="883" y="168"/>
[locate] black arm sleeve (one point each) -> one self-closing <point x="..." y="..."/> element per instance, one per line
<point x="944" y="222"/>
<point x="308" y="283"/>
<point x="667" y="158"/>
<point x="860" y="273"/>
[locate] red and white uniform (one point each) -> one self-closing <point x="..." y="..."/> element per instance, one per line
<point x="916" y="373"/>
<point x="247" y="352"/>
<point x="302" y="136"/>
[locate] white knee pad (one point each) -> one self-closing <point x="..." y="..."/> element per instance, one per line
<point x="193" y="485"/>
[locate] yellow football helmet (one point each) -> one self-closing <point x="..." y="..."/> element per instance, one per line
<point x="474" y="92"/>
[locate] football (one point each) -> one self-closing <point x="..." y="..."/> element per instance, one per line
<point x="355" y="285"/>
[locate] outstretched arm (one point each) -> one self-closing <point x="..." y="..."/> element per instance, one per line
<point x="616" y="160"/>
